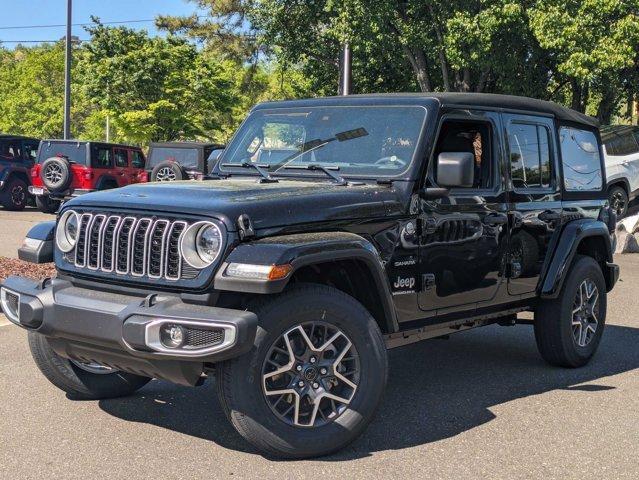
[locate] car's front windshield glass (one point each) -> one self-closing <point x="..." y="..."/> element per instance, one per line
<point x="359" y="141"/>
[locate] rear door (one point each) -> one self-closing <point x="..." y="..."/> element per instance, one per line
<point x="136" y="165"/>
<point x="535" y="208"/>
<point x="121" y="166"/>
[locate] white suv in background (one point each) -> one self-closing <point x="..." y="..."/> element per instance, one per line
<point x="621" y="147"/>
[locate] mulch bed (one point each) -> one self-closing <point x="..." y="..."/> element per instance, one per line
<point x="12" y="266"/>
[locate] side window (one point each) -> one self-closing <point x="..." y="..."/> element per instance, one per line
<point x="529" y="146"/>
<point x="469" y="137"/>
<point x="625" y="144"/>
<point x="102" y="157"/>
<point x="30" y="152"/>
<point x="580" y="159"/>
<point x="121" y="158"/>
<point x="10" y="151"/>
<point x="137" y="159"/>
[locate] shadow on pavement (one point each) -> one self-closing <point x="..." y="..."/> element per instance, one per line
<point x="436" y="389"/>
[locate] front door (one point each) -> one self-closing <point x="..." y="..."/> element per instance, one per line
<point x="463" y="237"/>
<point x="535" y="208"/>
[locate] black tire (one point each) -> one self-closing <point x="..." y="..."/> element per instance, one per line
<point x="240" y="379"/>
<point x="46" y="204"/>
<point x="167" y="172"/>
<point x="618" y="199"/>
<point x="56" y="174"/>
<point x="14" y="195"/>
<point x="553" y="318"/>
<point x="78" y="383"/>
<point x="525" y="249"/>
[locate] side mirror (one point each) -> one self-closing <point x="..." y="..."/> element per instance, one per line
<point x="214" y="157"/>
<point x="455" y="169"/>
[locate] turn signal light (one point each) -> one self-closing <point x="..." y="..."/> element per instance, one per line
<point x="258" y="272"/>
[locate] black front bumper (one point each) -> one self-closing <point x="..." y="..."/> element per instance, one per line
<point x="117" y="330"/>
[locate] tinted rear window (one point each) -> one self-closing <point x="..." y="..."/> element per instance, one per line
<point x="187" y="157"/>
<point x="72" y="151"/>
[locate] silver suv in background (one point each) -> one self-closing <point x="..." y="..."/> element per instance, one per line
<point x="621" y="148"/>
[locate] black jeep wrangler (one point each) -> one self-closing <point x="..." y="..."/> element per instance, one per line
<point x="334" y="229"/>
<point x="172" y="161"/>
<point x="17" y="155"/>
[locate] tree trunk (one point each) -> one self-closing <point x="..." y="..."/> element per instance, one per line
<point x="607" y="106"/>
<point x="576" y="101"/>
<point x="419" y="65"/>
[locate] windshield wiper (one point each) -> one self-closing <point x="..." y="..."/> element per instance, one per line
<point x="266" y="177"/>
<point x="317" y="167"/>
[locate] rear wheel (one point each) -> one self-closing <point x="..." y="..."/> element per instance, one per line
<point x="314" y="377"/>
<point x="89" y="381"/>
<point x="568" y="329"/>
<point x="618" y="199"/>
<point x="14" y="195"/>
<point x="46" y="204"/>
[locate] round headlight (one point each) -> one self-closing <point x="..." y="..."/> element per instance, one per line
<point x="201" y="244"/>
<point x="66" y="234"/>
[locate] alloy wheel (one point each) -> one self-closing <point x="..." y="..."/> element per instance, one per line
<point x="165" y="174"/>
<point x="618" y="203"/>
<point x="310" y="374"/>
<point x="53" y="173"/>
<point x="18" y="195"/>
<point x="585" y="313"/>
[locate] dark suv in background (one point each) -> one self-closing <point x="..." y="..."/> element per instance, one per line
<point x="173" y="161"/>
<point x="17" y="155"/>
<point x="67" y="168"/>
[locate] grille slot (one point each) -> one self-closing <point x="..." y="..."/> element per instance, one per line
<point x="127" y="245"/>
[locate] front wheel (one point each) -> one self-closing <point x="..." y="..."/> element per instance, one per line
<point x="568" y="329"/>
<point x="87" y="381"/>
<point x="618" y="199"/>
<point x="314" y="377"/>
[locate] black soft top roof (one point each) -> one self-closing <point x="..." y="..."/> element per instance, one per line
<point x="185" y="144"/>
<point x="90" y="142"/>
<point x="452" y="99"/>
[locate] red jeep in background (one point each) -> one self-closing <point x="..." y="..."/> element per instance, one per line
<point x="67" y="168"/>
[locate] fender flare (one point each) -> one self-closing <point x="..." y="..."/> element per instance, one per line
<point x="555" y="272"/>
<point x="40" y="247"/>
<point x="300" y="250"/>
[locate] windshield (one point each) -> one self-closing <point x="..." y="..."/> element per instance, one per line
<point x="74" y="152"/>
<point x="186" y="157"/>
<point x="366" y="141"/>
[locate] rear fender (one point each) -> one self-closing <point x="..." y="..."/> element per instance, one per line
<point x="566" y="247"/>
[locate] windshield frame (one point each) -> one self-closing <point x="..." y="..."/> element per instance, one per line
<point x="294" y="106"/>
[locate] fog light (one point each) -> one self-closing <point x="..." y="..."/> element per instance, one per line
<point x="172" y="336"/>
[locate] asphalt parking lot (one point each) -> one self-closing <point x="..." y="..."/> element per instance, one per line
<point x="480" y="405"/>
<point x="15" y="225"/>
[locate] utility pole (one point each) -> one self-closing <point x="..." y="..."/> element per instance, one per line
<point x="345" y="70"/>
<point x="67" y="76"/>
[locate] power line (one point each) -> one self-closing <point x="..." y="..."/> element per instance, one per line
<point x="58" y="25"/>
<point x="41" y="41"/>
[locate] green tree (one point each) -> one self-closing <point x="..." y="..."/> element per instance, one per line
<point x="155" y="88"/>
<point x="32" y="92"/>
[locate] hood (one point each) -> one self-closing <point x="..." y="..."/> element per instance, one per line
<point x="287" y="202"/>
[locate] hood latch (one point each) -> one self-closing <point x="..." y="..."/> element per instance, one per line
<point x="245" y="226"/>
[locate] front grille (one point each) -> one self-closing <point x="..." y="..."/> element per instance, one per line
<point x="127" y="245"/>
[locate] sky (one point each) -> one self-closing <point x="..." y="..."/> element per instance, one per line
<point x="20" y="13"/>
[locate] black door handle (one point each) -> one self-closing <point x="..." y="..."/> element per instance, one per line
<point x="549" y="216"/>
<point x="496" y="219"/>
